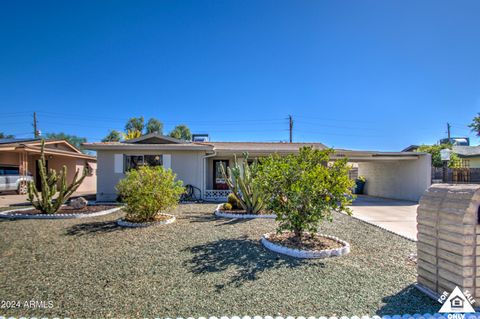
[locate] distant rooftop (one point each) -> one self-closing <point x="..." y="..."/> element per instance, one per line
<point x="17" y="140"/>
<point x="466" y="151"/>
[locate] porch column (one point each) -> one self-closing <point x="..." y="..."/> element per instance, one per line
<point x="23" y="162"/>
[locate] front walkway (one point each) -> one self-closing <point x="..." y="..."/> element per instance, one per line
<point x="397" y="216"/>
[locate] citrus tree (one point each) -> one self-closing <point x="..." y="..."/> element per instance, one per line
<point x="305" y="188"/>
<point x="147" y="191"/>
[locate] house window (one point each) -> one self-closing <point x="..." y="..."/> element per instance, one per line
<point x="89" y="168"/>
<point x="135" y="161"/>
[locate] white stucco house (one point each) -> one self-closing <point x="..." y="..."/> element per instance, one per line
<point x="398" y="175"/>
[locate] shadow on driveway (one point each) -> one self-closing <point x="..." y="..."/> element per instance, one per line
<point x="365" y="200"/>
<point x="248" y="257"/>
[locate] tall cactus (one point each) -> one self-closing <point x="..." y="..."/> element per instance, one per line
<point x="53" y="183"/>
<point x="241" y="182"/>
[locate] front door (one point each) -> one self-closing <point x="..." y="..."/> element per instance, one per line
<point x="218" y="180"/>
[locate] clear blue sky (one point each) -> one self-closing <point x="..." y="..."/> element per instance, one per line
<point x="354" y="74"/>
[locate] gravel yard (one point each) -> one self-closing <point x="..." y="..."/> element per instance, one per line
<point x="200" y="266"/>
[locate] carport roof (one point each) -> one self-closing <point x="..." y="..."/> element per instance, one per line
<point x="368" y="156"/>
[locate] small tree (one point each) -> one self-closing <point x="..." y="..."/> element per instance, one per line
<point x="154" y="125"/>
<point x="3" y="135"/>
<point x="475" y="125"/>
<point x="149" y="190"/>
<point x="181" y="132"/>
<point x="305" y="188"/>
<point x="242" y="182"/>
<point x="135" y="124"/>
<point x="72" y="139"/>
<point x="434" y="150"/>
<point x="455" y="161"/>
<point x="54" y="188"/>
<point x="113" y="136"/>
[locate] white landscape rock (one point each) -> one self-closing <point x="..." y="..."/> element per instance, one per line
<point x="78" y="203"/>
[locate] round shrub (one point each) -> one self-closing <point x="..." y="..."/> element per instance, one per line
<point x="147" y="191"/>
<point x="227" y="206"/>
<point x="233" y="201"/>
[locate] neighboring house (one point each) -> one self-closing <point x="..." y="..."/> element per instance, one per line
<point x="411" y="148"/>
<point x="470" y="155"/>
<point x="389" y="174"/>
<point x="23" y="154"/>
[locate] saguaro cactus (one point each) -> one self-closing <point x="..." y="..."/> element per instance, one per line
<point x="241" y="182"/>
<point x="54" y="191"/>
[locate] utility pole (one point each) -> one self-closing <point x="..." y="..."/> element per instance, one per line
<point x="290" y="122"/>
<point x="35" y="129"/>
<point x="448" y="131"/>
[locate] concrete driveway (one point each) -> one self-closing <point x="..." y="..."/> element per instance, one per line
<point x="13" y="199"/>
<point x="397" y="216"/>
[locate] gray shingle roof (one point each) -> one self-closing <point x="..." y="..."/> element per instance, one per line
<point x="466" y="150"/>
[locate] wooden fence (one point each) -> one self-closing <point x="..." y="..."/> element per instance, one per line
<point x="456" y="175"/>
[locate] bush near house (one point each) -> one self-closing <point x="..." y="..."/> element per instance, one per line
<point x="434" y="150"/>
<point x="147" y="191"/>
<point x="305" y="188"/>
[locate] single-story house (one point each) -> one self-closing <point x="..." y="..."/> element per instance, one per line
<point x="22" y="155"/>
<point x="470" y="155"/>
<point x="397" y="175"/>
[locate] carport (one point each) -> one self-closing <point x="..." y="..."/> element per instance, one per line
<point x="395" y="175"/>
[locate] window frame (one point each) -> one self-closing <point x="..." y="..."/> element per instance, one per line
<point x="126" y="167"/>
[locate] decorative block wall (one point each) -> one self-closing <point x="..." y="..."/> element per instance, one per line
<point x="447" y="247"/>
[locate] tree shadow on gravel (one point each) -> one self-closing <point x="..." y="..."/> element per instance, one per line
<point x="197" y="218"/>
<point x="208" y="218"/>
<point x="93" y="228"/>
<point x="249" y="258"/>
<point x="3" y="220"/>
<point x="409" y="300"/>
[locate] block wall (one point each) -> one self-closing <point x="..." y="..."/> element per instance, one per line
<point x="447" y="247"/>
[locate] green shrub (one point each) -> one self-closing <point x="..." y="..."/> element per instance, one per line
<point x="305" y="188"/>
<point x="362" y="179"/>
<point x="227" y="206"/>
<point x="147" y="191"/>
<point x="233" y="201"/>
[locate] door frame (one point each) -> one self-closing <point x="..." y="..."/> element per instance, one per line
<point x="214" y="184"/>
